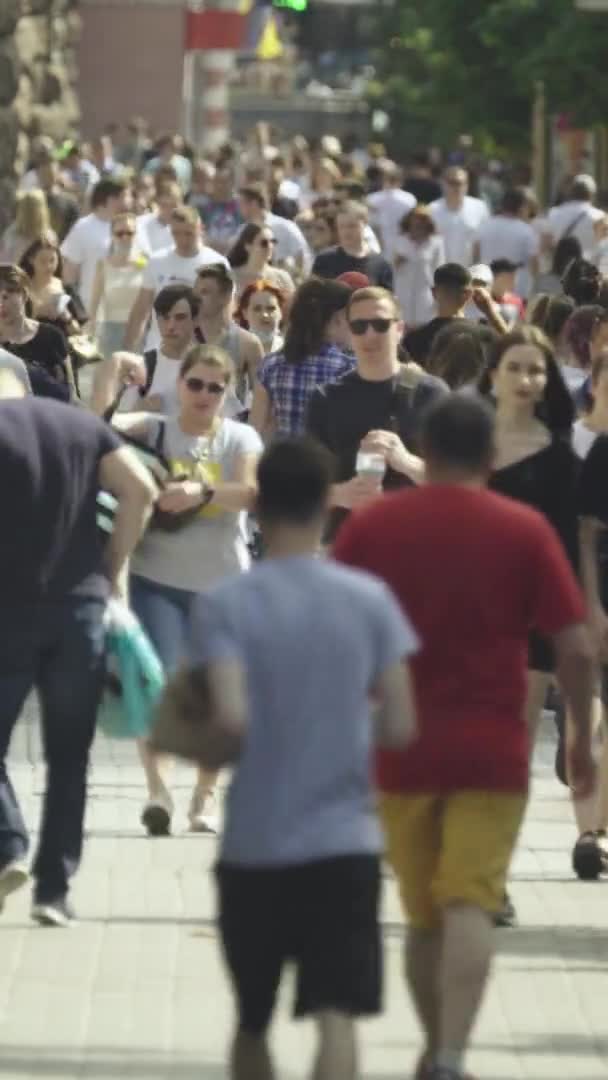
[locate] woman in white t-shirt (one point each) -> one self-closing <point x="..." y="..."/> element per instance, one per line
<point x="417" y="254"/>
<point x="197" y="539"/>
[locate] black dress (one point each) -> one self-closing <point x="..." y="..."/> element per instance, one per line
<point x="547" y="481"/>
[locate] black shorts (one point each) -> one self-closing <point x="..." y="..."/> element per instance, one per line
<point x="320" y="915"/>
<point x="541" y="654"/>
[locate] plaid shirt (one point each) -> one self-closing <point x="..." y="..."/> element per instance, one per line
<point x="290" y="386"/>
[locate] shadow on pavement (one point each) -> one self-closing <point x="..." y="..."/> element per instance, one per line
<point x="568" y="942"/>
<point x="17" y="1061"/>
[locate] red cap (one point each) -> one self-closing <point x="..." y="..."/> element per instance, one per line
<point x="354" y="280"/>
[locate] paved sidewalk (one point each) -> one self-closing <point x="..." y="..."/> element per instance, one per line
<point x="136" y="990"/>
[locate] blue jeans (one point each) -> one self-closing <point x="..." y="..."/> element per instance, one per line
<point x="56" y="647"/>
<point x="165" y="614"/>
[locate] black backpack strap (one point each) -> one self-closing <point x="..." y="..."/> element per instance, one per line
<point x="159" y="442"/>
<point x="150" y="360"/>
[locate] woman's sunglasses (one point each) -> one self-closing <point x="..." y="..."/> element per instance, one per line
<point x="197" y="385"/>
<point x="125" y="232"/>
<point x="381" y="326"/>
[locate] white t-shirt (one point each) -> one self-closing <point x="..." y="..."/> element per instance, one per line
<point x="459" y="227"/>
<point x="502" y="237"/>
<point x="169" y="268"/>
<point x="86" y="243"/>
<point x="387" y="209"/>
<point x="291" y="242"/>
<point x="153" y="235"/>
<point x="561" y="218"/>
<point x="582" y="438"/>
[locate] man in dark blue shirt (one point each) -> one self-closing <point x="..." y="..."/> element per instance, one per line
<point x="56" y="573"/>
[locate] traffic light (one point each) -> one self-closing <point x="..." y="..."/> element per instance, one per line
<point x="291" y="5"/>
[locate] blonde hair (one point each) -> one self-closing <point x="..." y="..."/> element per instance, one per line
<point x="185" y="215"/>
<point x="211" y="355"/>
<point x="32" y="218"/>
<point x="374" y="292"/>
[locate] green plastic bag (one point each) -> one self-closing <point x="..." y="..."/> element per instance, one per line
<point x="134" y="677"/>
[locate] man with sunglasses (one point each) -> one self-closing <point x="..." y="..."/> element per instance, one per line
<point x="369" y="418"/>
<point x="458" y="216"/>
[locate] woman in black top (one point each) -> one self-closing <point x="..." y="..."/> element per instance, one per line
<point x="535" y="462"/>
<point x="536" y="465"/>
<point x="42" y="347"/>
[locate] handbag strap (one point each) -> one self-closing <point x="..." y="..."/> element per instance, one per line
<point x="572" y="226"/>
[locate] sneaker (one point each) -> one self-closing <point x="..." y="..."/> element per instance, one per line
<point x="203" y="815"/>
<point x="507" y="916"/>
<point x="12" y="877"/>
<point x="156" y="815"/>
<point x="54" y="912"/>
<point x="589" y="859"/>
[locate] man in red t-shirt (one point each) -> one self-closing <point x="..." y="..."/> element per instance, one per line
<point x="475" y="572"/>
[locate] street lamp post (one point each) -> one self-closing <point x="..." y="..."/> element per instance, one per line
<point x="213" y="36"/>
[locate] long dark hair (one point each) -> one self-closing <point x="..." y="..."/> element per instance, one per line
<point x="580" y="329"/>
<point x="567" y="249"/>
<point x="314" y="304"/>
<point x="459" y="353"/>
<point x="582" y="281"/>
<point x="238" y="254"/>
<point x="43" y="243"/>
<point x="556" y="410"/>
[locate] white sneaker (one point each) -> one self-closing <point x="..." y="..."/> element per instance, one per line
<point x="12" y="877"/>
<point x="203" y="815"/>
<point x="157" y="813"/>
<point x="54" y="913"/>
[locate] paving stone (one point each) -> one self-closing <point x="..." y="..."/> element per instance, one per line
<point x="137" y="990"/>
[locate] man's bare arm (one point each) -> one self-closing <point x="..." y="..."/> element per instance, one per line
<point x="136" y="323"/>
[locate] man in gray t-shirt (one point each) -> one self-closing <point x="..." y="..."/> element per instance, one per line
<point x="295" y="650"/>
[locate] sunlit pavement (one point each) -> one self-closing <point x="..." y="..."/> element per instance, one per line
<point x="136" y="989"/>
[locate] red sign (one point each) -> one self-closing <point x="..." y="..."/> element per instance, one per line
<point x="214" y="30"/>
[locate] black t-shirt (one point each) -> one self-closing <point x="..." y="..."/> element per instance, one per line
<point x="419" y="342"/>
<point x="336" y="261"/>
<point x="341" y="414"/>
<point x="50" y="545"/>
<point x="593" y="482"/>
<point x="425" y="189"/>
<point x="45" y="355"/>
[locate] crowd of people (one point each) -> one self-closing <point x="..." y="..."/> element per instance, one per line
<point x="335" y="430"/>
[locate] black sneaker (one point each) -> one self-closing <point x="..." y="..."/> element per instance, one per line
<point x="589" y="859"/>
<point x="507" y="916"/>
<point x="57" y="912"/>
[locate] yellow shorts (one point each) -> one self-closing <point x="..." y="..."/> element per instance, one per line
<point x="449" y="848"/>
